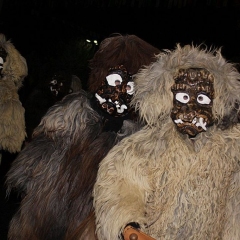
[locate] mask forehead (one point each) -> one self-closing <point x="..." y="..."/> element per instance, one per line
<point x="193" y="93"/>
<point x="194" y="79"/>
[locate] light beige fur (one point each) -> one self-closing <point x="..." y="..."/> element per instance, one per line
<point x="15" y="68"/>
<point x="174" y="187"/>
<point x="12" y="119"/>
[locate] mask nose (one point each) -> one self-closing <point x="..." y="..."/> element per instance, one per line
<point x="188" y="113"/>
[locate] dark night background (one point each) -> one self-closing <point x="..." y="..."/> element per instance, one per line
<point x="51" y="34"/>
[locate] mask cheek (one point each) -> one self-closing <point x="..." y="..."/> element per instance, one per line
<point x="176" y="112"/>
<point x="209" y="119"/>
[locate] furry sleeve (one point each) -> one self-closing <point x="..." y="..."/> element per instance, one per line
<point x="231" y="229"/>
<point x="120" y="190"/>
<point x="68" y="123"/>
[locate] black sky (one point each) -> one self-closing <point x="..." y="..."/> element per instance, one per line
<point x="35" y="26"/>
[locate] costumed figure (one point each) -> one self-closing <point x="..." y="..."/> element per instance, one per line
<point x="13" y="70"/>
<point x="56" y="86"/>
<point x="178" y="177"/>
<point x="56" y="171"/>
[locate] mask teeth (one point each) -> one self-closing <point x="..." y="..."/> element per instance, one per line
<point x="201" y="124"/>
<point x="194" y="120"/>
<point x="100" y="99"/>
<point x="121" y="109"/>
<point x="178" y="121"/>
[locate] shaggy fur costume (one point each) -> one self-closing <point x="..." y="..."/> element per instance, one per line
<point x="173" y="186"/>
<point x="12" y="120"/>
<point x="56" y="171"/>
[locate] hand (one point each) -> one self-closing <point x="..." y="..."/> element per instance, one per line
<point x="131" y="233"/>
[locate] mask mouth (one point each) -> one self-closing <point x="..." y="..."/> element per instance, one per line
<point x="198" y="122"/>
<point x="115" y="108"/>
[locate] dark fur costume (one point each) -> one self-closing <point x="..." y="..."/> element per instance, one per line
<point x="12" y="121"/>
<point x="56" y="171"/>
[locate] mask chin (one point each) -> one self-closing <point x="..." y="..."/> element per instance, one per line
<point x="190" y="129"/>
<point x="114" y="109"/>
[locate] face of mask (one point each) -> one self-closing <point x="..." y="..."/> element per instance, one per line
<point x="58" y="86"/>
<point x="193" y="95"/>
<point x="115" y="93"/>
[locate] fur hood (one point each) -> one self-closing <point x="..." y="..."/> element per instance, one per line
<point x="15" y="67"/>
<point x="128" y="50"/>
<point x="160" y="77"/>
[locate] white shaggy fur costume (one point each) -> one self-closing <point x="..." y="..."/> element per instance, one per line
<point x="173" y="186"/>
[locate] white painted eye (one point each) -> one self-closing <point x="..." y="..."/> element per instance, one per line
<point x="130" y="88"/>
<point x="114" y="79"/>
<point x="54" y="82"/>
<point x="182" y="97"/>
<point x="203" y="99"/>
<point x="1" y="62"/>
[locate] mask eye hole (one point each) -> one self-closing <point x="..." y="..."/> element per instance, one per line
<point x="54" y="82"/>
<point x="117" y="82"/>
<point x="182" y="97"/>
<point x="130" y="88"/>
<point x="203" y="99"/>
<point x="114" y="80"/>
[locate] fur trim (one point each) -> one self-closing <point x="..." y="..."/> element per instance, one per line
<point x="153" y="83"/>
<point x="15" y="67"/>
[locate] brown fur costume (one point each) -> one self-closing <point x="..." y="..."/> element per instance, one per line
<point x="173" y="186"/>
<point x="12" y="122"/>
<point x="56" y="171"/>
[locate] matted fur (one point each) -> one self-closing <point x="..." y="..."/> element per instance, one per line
<point x="12" y="119"/>
<point x="128" y="50"/>
<point x="57" y="169"/>
<point x="173" y="186"/>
